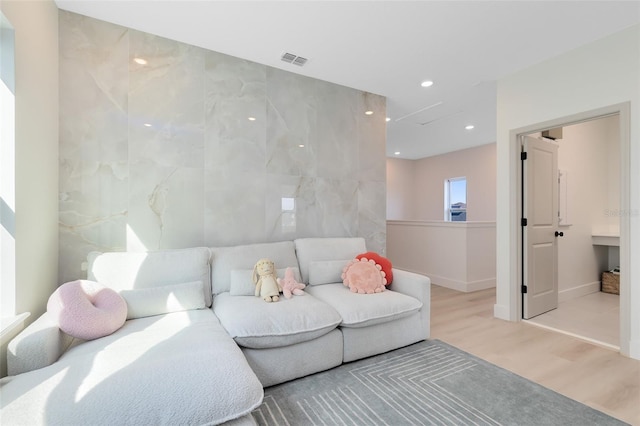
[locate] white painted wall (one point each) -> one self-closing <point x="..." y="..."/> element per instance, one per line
<point x="415" y="188"/>
<point x="477" y="164"/>
<point x="592" y="77"/>
<point x="36" y="153"/>
<point x="456" y="255"/>
<point x="400" y="182"/>
<point x="589" y="153"/>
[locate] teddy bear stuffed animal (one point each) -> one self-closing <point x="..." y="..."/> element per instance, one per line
<point x="289" y="284"/>
<point x="264" y="277"/>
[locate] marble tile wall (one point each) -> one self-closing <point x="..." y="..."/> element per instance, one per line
<point x="163" y="155"/>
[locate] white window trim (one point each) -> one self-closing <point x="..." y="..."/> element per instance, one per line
<point x="447" y="197"/>
<point x="11" y="326"/>
<point x="7" y="173"/>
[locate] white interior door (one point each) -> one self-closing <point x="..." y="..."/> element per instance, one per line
<point x="540" y="233"/>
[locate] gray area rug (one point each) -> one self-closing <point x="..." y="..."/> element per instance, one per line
<point x="428" y="383"/>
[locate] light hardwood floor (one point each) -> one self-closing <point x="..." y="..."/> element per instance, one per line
<point x="595" y="316"/>
<point x="598" y="377"/>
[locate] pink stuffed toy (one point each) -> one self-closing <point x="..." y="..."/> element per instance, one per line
<point x="289" y="285"/>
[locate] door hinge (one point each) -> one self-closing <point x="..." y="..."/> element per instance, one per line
<point x="524" y="289"/>
<point x="523" y="155"/>
<point x="523" y="221"/>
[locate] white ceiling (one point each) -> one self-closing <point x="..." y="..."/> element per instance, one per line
<point x="388" y="48"/>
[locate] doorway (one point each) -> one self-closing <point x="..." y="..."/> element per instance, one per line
<point x="589" y="159"/>
<point x="539" y="224"/>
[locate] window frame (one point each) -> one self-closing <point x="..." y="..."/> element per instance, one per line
<point x="8" y="288"/>
<point x="447" y="199"/>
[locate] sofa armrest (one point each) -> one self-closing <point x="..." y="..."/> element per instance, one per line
<point x="38" y="345"/>
<point x="419" y="287"/>
<point x="412" y="284"/>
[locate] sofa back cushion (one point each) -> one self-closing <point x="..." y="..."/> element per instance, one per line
<point x="123" y="271"/>
<point x="322" y="259"/>
<point x="226" y="259"/>
<point x="147" y="302"/>
<point x="242" y="280"/>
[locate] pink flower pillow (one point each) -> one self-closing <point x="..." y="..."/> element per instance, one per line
<point x="385" y="263"/>
<point x="86" y="309"/>
<point x="364" y="276"/>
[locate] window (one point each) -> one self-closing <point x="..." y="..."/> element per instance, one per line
<point x="7" y="169"/>
<point x="455" y="199"/>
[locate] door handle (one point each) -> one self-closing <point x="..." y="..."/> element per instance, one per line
<point x="559" y="234"/>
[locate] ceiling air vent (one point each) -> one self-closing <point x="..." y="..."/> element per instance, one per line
<point x="294" y="59"/>
<point x="300" y="61"/>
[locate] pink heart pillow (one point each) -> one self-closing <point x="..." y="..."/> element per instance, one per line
<point x="86" y="309"/>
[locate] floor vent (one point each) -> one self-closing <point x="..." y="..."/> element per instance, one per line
<point x="294" y="59"/>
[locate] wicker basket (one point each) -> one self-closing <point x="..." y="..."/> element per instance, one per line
<point x="610" y="282"/>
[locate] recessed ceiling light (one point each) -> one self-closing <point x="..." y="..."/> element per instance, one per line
<point x="301" y="146"/>
<point x="396" y="153"/>
<point x="426" y="83"/>
<point x="388" y="119"/>
<point x="469" y="126"/>
<point x="147" y="124"/>
<point x="140" y="61"/>
<point x="252" y="118"/>
<point x="368" y="112"/>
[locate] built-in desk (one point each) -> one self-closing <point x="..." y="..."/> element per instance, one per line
<point x="610" y="241"/>
<point x="606" y="239"/>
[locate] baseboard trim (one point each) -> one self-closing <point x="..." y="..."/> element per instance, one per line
<point x="481" y="284"/>
<point x="579" y="291"/>
<point x="447" y="282"/>
<point x="501" y="312"/>
<point x="634" y="349"/>
<point x="465" y="287"/>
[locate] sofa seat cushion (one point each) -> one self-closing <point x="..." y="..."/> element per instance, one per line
<point x="362" y="310"/>
<point x="254" y="323"/>
<point x="177" y="368"/>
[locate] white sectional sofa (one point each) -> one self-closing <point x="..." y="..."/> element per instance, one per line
<point x="208" y="363"/>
